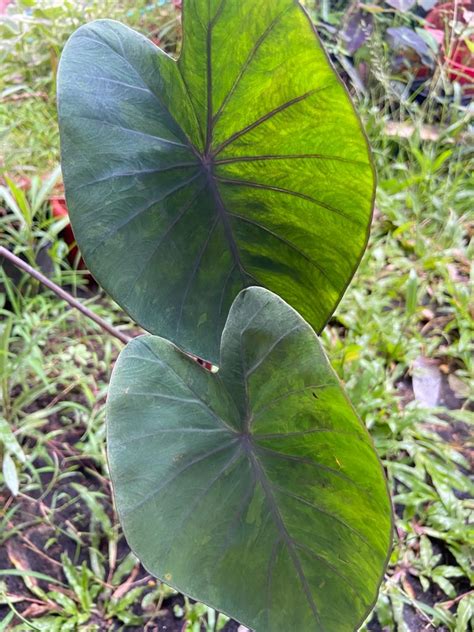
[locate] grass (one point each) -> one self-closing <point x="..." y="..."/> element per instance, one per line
<point x="412" y="299"/>
<point x="30" y="48"/>
<point x="403" y="330"/>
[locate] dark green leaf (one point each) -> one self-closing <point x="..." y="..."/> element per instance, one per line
<point x="241" y="164"/>
<point x="257" y="489"/>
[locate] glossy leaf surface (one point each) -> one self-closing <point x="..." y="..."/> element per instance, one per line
<point x="257" y="489"/>
<point x="241" y="164"/>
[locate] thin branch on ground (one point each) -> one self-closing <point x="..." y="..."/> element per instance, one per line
<point x="73" y="302"/>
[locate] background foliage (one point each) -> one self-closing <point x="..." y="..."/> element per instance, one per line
<point x="401" y="340"/>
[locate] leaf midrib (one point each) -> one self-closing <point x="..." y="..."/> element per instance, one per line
<point x="209" y="157"/>
<point x="242" y="442"/>
<point x="262" y="478"/>
<point x="210" y="154"/>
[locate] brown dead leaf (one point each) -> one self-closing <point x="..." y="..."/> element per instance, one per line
<point x="19" y="559"/>
<point x="426" y="132"/>
<point x="65" y="591"/>
<point x="125" y="587"/>
<point x="37" y="610"/>
<point x="439" y="322"/>
<point x="24" y="96"/>
<point x="427" y="314"/>
<point x="406" y="130"/>
<point x="408" y="588"/>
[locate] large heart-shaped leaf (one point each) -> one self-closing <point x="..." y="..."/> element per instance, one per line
<point x="241" y="164"/>
<point x="257" y="489"/>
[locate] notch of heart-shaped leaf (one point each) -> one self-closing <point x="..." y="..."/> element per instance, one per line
<point x="257" y="489"/>
<point x="243" y="163"/>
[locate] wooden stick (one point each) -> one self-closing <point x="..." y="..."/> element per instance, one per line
<point x="19" y="263"/>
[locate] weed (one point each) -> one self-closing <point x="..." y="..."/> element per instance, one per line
<point x="411" y="299"/>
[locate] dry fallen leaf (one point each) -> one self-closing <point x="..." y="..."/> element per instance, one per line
<point x="426" y="381"/>
<point x="20" y="562"/>
<point x="36" y="610"/>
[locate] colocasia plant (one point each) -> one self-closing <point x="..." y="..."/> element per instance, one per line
<point x="224" y="201"/>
